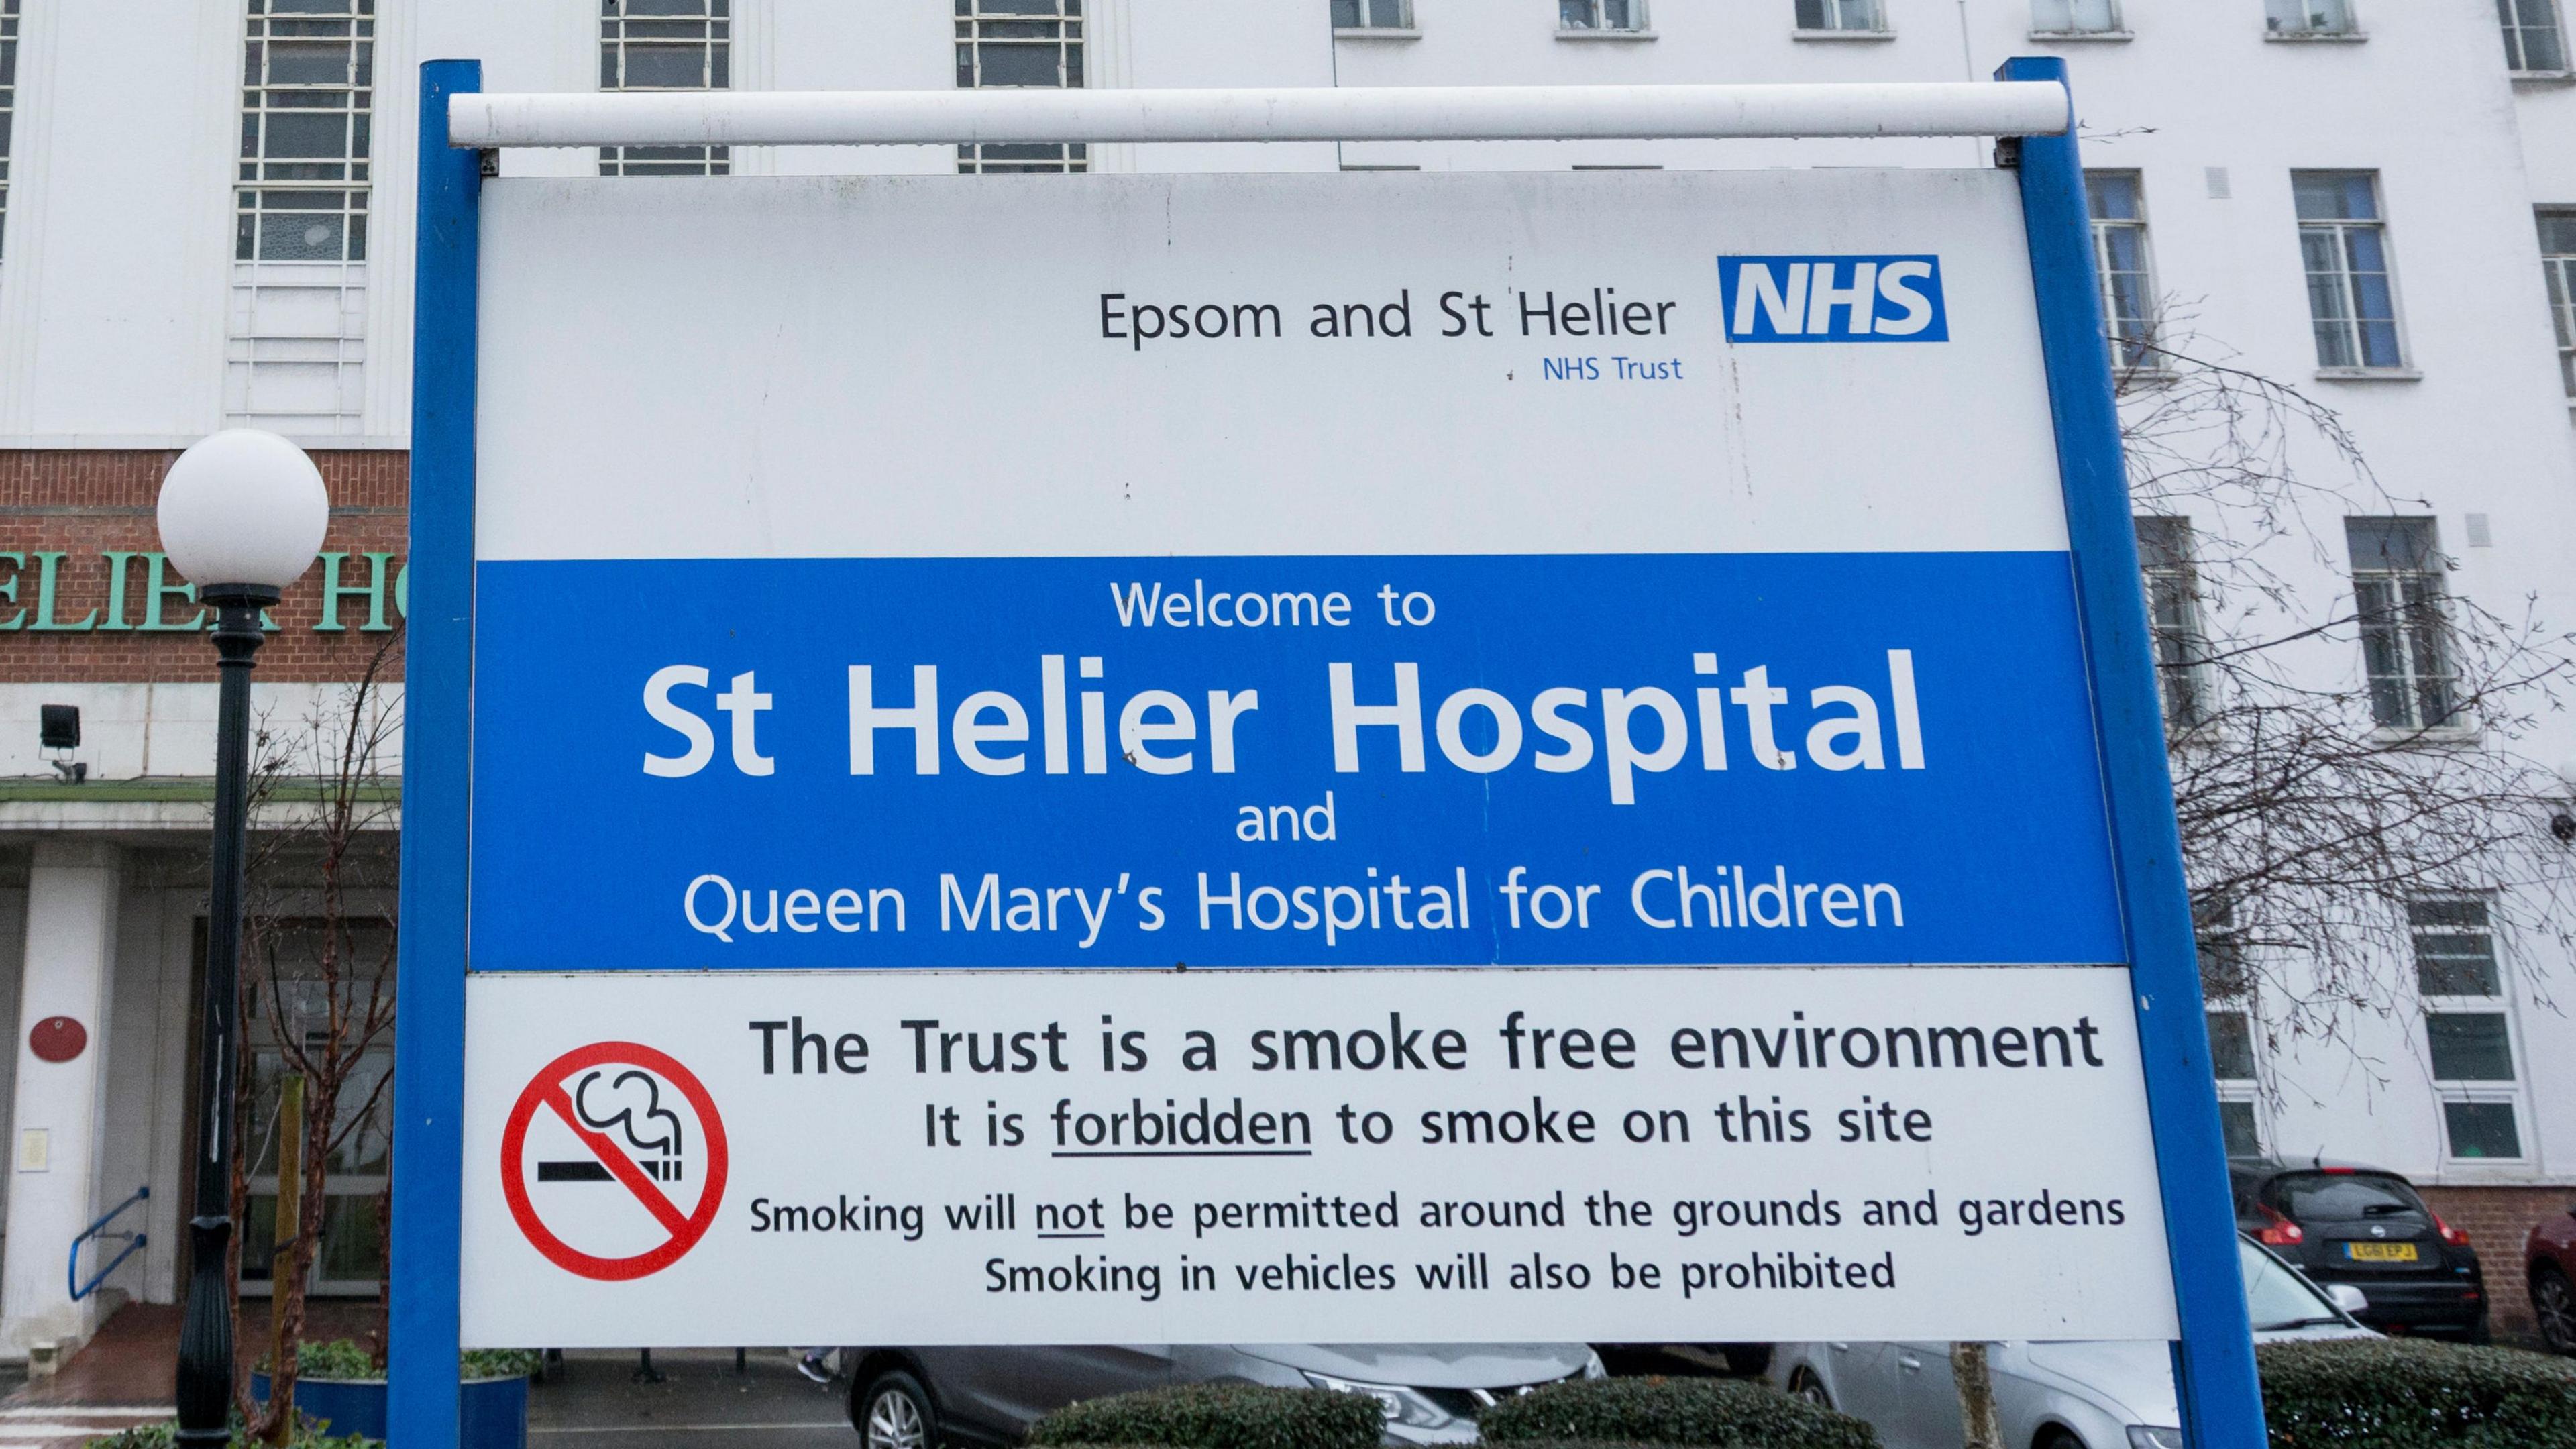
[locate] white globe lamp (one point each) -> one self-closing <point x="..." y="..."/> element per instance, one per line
<point x="243" y="507"/>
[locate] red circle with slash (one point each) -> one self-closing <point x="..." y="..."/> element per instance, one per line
<point x="546" y="1093"/>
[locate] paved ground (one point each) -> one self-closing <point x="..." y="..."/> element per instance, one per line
<point x="592" y="1401"/>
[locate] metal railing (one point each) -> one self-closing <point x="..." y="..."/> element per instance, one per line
<point x="133" y="1244"/>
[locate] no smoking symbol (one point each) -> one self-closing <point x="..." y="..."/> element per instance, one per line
<point x="614" y="1161"/>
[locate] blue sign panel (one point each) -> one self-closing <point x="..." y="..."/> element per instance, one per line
<point x="1286" y="760"/>
<point x="1834" y="299"/>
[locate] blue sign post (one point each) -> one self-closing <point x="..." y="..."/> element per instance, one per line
<point x="2016" y="762"/>
<point x="2214" y="1360"/>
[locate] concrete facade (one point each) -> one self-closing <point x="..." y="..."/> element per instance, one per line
<point x="126" y="315"/>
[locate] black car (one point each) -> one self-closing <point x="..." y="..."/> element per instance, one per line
<point x="2344" y="1223"/>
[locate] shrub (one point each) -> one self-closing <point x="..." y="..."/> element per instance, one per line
<point x="342" y="1360"/>
<point x="1734" y="1413"/>
<point x="497" y="1363"/>
<point x="2403" y="1393"/>
<point x="1219" y="1416"/>
<point x="308" y="1434"/>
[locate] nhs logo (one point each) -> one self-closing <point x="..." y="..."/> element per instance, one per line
<point x="1833" y="299"/>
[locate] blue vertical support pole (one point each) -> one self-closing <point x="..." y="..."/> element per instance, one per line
<point x="429" y="1052"/>
<point x="2222" y="1402"/>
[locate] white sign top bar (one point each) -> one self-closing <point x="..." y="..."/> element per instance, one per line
<point x="1346" y="113"/>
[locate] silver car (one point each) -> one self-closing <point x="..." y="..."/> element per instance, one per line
<point x="921" y="1398"/>
<point x="2087" y="1395"/>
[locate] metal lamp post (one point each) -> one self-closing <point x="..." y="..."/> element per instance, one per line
<point x="242" y="515"/>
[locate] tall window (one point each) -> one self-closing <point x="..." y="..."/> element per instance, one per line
<point x="665" y="45"/>
<point x="2119" y="207"/>
<point x="297" y="348"/>
<point x="1020" y="43"/>
<point x="2397" y="601"/>
<point x="2345" y="246"/>
<point x="1862" y="15"/>
<point x="1601" y="14"/>
<point x="2173" y="618"/>
<point x="2309" y="17"/>
<point x="2231" y="1058"/>
<point x="8" y="100"/>
<point x="1376" y="14"/>
<point x="2531" y="39"/>
<point x="351" y="1259"/>
<point x="2468" y="1027"/>
<point x="2558" y="259"/>
<point x="307" y="103"/>
<point x="2074" y="17"/>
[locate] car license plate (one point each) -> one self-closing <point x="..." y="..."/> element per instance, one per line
<point x="2380" y="1252"/>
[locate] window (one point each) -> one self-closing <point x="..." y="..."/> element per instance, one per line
<point x="307" y="103"/>
<point x="2075" y="17"/>
<point x="350" y="1260"/>
<point x="2231" y="1058"/>
<point x="2531" y="39"/>
<point x="2468" y="1027"/>
<point x="2118" y="204"/>
<point x="8" y="100"/>
<point x="1378" y="14"/>
<point x="2345" y="246"/>
<point x="1020" y="43"/>
<point x="2173" y="618"/>
<point x="1844" y="15"/>
<point x="665" y="45"/>
<point x="2397" y="601"/>
<point x="2309" y="17"/>
<point x="2558" y="260"/>
<point x="1602" y="15"/>
<point x="296" y="340"/>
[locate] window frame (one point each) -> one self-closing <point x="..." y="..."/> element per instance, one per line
<point x="2558" y="273"/>
<point x="9" y="18"/>
<point x="2118" y="29"/>
<point x="2516" y="48"/>
<point x="2447" y="1092"/>
<point x="2340" y="232"/>
<point x="2148" y="362"/>
<point x="2182" y="684"/>
<point x="2351" y="28"/>
<point x="1640" y="26"/>
<point x="1370" y="28"/>
<point x="1071" y="42"/>
<point x="1879" y="28"/>
<point x="2245" y="1092"/>
<point x="266" y="184"/>
<point x="617" y="48"/>
<point x="2417" y="622"/>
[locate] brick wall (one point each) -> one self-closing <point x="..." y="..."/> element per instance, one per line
<point x="85" y="506"/>
<point x="2497" y="1219"/>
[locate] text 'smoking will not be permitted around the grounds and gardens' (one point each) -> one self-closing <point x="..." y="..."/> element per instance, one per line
<point x="1542" y="771"/>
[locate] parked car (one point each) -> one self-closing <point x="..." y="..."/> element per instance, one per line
<point x="922" y="1398"/>
<point x="2097" y="1395"/>
<point x="2346" y="1223"/>
<point x="2549" y="1265"/>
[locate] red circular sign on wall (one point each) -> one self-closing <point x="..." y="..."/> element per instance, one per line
<point x="57" y="1039"/>
<point x="560" y="1094"/>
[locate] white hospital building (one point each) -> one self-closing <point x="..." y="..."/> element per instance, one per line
<point x="206" y="220"/>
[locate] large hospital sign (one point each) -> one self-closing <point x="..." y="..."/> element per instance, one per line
<point x="1667" y="783"/>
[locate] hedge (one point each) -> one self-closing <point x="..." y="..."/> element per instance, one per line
<point x="2405" y="1393"/>
<point x="1219" y="1416"/>
<point x="345" y="1360"/>
<point x="1735" y="1413"/>
<point x="163" y="1435"/>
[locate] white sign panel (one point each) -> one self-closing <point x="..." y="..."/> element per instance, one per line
<point x="1072" y="581"/>
<point x="1391" y="1155"/>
